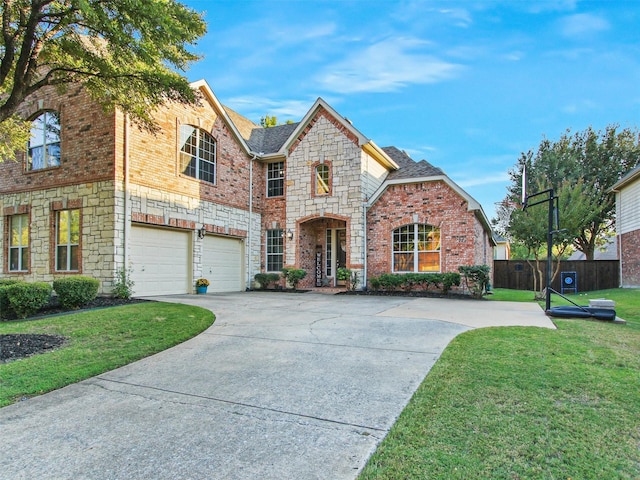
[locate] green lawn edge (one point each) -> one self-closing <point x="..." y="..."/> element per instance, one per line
<point x="526" y="403"/>
<point x="97" y="341"/>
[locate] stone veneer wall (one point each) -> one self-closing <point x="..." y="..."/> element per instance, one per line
<point x="433" y="203"/>
<point x="326" y="141"/>
<point x="630" y="259"/>
<point x="183" y="211"/>
<point x="98" y="230"/>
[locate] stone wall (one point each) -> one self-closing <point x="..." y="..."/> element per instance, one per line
<point x="325" y="140"/>
<point x="98" y="233"/>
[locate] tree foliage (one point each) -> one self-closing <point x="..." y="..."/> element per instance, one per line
<point x="581" y="168"/>
<point x="126" y="54"/>
<point x="272" y="121"/>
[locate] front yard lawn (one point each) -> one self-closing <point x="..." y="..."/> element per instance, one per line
<point x="526" y="403"/>
<point x="97" y="341"/>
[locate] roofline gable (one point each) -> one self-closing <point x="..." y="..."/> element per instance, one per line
<point x="204" y="87"/>
<point x="473" y="205"/>
<point x="363" y="142"/>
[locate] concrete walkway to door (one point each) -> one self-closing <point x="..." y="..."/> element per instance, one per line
<point x="282" y="386"/>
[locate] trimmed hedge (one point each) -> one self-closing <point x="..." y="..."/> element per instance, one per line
<point x="25" y="299"/>
<point x="415" y="281"/>
<point x="73" y="292"/>
<point x="5" y="307"/>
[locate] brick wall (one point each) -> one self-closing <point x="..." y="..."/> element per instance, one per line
<point x="154" y="158"/>
<point x="87" y="144"/>
<point x="630" y="258"/>
<point x="433" y="203"/>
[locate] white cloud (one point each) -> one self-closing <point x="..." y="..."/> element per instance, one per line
<point x="257" y="107"/>
<point x="490" y="179"/>
<point x="387" y="66"/>
<point x="578" y="107"/>
<point x="582" y="24"/>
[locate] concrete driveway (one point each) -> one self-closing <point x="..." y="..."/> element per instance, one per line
<point x="282" y="386"/>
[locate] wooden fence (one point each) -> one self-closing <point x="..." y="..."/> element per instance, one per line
<point x="587" y="275"/>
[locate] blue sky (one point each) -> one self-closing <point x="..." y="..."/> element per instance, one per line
<point x="466" y="85"/>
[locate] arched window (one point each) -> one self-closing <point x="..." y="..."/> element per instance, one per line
<point x="416" y="248"/>
<point x="197" y="153"/>
<point x="43" y="150"/>
<point x="323" y="179"/>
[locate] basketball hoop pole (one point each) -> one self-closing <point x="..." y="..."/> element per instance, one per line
<point x="551" y="199"/>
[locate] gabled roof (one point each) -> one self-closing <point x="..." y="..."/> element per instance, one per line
<point x="631" y="176"/>
<point x="204" y="87"/>
<point x="270" y="140"/>
<point x="408" y="167"/>
<point x="410" y="171"/>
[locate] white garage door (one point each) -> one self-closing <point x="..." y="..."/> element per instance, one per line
<point x="160" y="261"/>
<point x="222" y="263"/>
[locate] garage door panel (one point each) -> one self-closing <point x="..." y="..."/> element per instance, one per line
<point x="222" y="263"/>
<point x="160" y="261"/>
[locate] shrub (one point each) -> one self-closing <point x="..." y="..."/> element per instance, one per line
<point x="76" y="291"/>
<point x="349" y="277"/>
<point x="122" y="284"/>
<point x="449" y="280"/>
<point x="390" y="281"/>
<point x="5" y="307"/>
<point x="25" y="299"/>
<point x="266" y="279"/>
<point x="476" y="278"/>
<point x="293" y="276"/>
<point x="374" y="282"/>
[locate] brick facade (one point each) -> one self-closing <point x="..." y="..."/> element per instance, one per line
<point x="630" y="258"/>
<point x="463" y="239"/>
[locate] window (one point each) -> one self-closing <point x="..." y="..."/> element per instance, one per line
<point x="322" y="179"/>
<point x="275" y="179"/>
<point x="18" y="243"/>
<point x="44" y="145"/>
<point x="197" y="154"/>
<point x="416" y="248"/>
<point x="67" y="240"/>
<point x="275" y="250"/>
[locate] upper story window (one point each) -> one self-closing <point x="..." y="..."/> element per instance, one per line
<point x="275" y="179"/>
<point x="416" y="248"/>
<point x="44" y="146"/>
<point x="197" y="153"/>
<point x="18" y="243"/>
<point x="321" y="178"/>
<point x="67" y="240"/>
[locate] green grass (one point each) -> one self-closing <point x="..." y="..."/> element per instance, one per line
<point x="526" y="403"/>
<point x="98" y="341"/>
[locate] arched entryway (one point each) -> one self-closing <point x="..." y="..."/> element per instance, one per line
<point x="323" y="248"/>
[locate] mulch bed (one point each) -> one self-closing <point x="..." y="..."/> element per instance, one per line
<point x="15" y="345"/>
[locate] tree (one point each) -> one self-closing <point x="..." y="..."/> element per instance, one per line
<point x="597" y="159"/>
<point x="271" y="121"/>
<point x="125" y="53"/>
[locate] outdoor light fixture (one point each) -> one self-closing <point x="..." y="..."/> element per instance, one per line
<point x="202" y="232"/>
<point x="290" y="234"/>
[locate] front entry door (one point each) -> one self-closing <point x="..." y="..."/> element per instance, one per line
<point x="336" y="254"/>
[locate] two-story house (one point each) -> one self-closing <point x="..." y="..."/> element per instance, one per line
<point x="212" y="194"/>
<point x="627" y="191"/>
